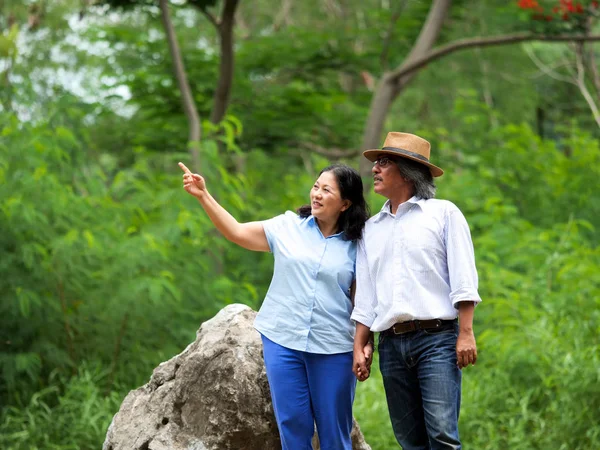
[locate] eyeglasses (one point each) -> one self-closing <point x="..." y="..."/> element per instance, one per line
<point x="383" y="161"/>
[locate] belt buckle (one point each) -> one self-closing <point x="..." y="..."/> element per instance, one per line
<point x="438" y="323"/>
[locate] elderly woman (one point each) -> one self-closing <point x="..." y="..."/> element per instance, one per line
<point x="304" y="320"/>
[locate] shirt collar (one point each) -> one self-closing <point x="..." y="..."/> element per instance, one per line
<point x="310" y="220"/>
<point x="385" y="209"/>
<point x="417" y="201"/>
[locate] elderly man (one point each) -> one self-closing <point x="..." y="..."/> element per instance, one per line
<point x="417" y="287"/>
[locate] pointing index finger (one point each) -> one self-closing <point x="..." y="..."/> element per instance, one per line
<point x="184" y="168"/>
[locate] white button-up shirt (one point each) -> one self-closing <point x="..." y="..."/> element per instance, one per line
<point x="416" y="264"/>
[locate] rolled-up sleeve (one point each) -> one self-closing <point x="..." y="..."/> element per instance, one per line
<point x="461" y="260"/>
<point x="365" y="298"/>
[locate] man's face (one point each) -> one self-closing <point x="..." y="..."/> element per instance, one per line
<point x="386" y="176"/>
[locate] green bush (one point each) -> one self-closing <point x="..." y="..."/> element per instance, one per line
<point x="109" y="269"/>
<point x="70" y="414"/>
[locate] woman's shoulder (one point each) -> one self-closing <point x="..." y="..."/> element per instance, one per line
<point x="292" y="219"/>
<point x="292" y="215"/>
<point x="286" y="220"/>
<point x="287" y="216"/>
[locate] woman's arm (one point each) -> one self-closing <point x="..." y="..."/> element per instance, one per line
<point x="249" y="235"/>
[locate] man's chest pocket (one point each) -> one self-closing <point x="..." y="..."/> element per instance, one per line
<point x="423" y="253"/>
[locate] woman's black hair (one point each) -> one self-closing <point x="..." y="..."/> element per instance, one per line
<point x="351" y="221"/>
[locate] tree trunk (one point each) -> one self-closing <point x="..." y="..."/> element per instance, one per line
<point x="223" y="91"/>
<point x="391" y="84"/>
<point x="283" y="16"/>
<point x="184" y="87"/>
<point x="378" y="111"/>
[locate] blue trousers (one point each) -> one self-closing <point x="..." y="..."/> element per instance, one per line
<point x="423" y="386"/>
<point x="308" y="388"/>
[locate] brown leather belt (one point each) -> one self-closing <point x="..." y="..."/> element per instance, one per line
<point x="415" y="325"/>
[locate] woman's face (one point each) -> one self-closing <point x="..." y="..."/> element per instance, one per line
<point x="326" y="199"/>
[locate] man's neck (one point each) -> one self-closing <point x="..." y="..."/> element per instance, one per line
<point x="398" y="199"/>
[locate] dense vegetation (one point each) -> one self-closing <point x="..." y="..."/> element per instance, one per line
<point x="108" y="268"/>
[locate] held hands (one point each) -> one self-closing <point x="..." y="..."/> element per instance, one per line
<point x="192" y="182"/>
<point x="363" y="358"/>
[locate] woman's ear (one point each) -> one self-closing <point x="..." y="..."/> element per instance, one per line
<point x="347" y="204"/>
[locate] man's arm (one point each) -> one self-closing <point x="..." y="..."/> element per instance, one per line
<point x="363" y="352"/>
<point x="463" y="284"/>
<point x="466" y="347"/>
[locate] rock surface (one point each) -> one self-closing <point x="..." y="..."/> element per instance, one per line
<point x="212" y="396"/>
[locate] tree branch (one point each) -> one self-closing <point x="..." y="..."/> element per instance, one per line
<point x="211" y="18"/>
<point x="592" y="67"/>
<point x="581" y="83"/>
<point x="383" y="58"/>
<point x="483" y="42"/>
<point x="594" y="70"/>
<point x="546" y="69"/>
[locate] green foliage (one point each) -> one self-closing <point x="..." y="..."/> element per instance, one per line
<point x="370" y="410"/>
<point x="538" y="343"/>
<point x="74" y="416"/>
<point x="98" y="255"/>
<point x="108" y="267"/>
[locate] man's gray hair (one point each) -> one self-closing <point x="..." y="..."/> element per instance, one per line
<point x="420" y="176"/>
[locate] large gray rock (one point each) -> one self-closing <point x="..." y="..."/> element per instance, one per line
<point x="212" y="396"/>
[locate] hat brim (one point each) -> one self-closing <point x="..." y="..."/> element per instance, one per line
<point x="372" y="154"/>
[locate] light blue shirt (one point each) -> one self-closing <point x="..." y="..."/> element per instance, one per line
<point x="308" y="303"/>
<point x="416" y="264"/>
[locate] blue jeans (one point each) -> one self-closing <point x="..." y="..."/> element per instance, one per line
<point x="308" y="388"/>
<point x="422" y="385"/>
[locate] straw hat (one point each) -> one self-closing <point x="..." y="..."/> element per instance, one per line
<point x="405" y="145"/>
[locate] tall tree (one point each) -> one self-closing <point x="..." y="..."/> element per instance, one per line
<point x="224" y="26"/>
<point x="392" y="83"/>
<point x="189" y="106"/>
